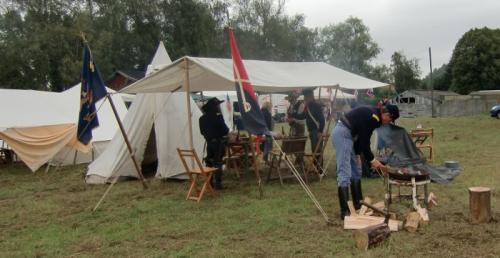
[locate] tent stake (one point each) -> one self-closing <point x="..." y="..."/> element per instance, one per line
<point x="106" y="193"/>
<point x="129" y="147"/>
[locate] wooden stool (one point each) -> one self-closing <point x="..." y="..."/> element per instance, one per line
<point x="399" y="181"/>
<point x="195" y="171"/>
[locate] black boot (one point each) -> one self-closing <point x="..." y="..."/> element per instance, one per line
<point x="357" y="194"/>
<point x="343" y="198"/>
<point x="218" y="180"/>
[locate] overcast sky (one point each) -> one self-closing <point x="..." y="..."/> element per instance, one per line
<point x="408" y="25"/>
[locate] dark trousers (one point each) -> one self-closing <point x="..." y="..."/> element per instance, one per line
<point x="313" y="136"/>
<point x="214" y="158"/>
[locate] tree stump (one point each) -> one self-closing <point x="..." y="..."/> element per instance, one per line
<point x="480" y="205"/>
<point x="371" y="236"/>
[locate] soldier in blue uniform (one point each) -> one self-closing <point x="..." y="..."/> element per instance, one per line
<point x="214" y="129"/>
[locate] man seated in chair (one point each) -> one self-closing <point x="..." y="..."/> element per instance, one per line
<point x="351" y="138"/>
<point x="213" y="128"/>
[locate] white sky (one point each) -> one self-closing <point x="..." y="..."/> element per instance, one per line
<point x="408" y="25"/>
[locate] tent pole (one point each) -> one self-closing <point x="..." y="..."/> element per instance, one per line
<point x="188" y="102"/>
<point x="129" y="147"/>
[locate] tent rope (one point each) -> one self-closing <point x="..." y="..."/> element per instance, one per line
<point x="303" y="183"/>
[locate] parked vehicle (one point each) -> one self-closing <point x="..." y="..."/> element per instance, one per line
<point x="495" y="111"/>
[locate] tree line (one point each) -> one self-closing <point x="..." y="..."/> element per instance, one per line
<point x="41" y="45"/>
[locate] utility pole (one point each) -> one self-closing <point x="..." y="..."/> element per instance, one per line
<point x="431" y="84"/>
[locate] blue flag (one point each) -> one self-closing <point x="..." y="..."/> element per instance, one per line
<point x="252" y="117"/>
<point x="92" y="90"/>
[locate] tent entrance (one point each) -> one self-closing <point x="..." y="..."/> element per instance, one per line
<point x="149" y="164"/>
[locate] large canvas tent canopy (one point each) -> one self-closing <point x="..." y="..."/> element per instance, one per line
<point x="216" y="74"/>
<point x="41" y="126"/>
<point x="192" y="74"/>
<point x="167" y="114"/>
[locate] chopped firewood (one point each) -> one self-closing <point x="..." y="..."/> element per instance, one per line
<point x="359" y="222"/>
<point x="371" y="236"/>
<point x="432" y="200"/>
<point x="352" y="210"/>
<point x="424" y="215"/>
<point x="364" y="208"/>
<point x="380" y="205"/>
<point x="369" y="212"/>
<point x="412" y="220"/>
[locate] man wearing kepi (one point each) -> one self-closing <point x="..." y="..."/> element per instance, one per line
<point x="351" y="138"/>
<point x="213" y="128"/>
<point x="315" y="121"/>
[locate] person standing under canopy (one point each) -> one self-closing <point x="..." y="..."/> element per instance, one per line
<point x="351" y="138"/>
<point x="315" y="121"/>
<point x="214" y="129"/>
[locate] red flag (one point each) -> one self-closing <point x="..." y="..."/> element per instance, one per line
<point x="252" y="117"/>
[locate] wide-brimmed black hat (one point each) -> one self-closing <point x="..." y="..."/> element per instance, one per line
<point x="211" y="103"/>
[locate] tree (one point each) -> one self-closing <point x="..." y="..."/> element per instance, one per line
<point x="380" y="73"/>
<point x="441" y="78"/>
<point x="348" y="45"/>
<point x="475" y="63"/>
<point x="265" y="32"/>
<point x="405" y="72"/>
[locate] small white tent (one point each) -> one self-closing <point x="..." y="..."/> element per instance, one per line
<point x="41" y="126"/>
<point x="167" y="113"/>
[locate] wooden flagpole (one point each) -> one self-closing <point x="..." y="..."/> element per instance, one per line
<point x="129" y="146"/>
<point x="130" y="151"/>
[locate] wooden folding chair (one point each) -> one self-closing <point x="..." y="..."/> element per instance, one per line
<point x="423" y="139"/>
<point x="196" y="170"/>
<point x="294" y="148"/>
<point x="314" y="160"/>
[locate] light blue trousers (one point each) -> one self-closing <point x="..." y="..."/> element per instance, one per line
<point x="347" y="163"/>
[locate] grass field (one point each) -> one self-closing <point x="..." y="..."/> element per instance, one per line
<point x="48" y="214"/>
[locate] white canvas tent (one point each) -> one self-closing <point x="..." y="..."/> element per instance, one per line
<point x="216" y="74"/>
<point x="167" y="114"/>
<point x="41" y="126"/>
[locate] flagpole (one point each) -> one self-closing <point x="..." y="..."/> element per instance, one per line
<point x="129" y="146"/>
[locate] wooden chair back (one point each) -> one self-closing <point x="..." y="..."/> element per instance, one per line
<point x="294" y="145"/>
<point x="190" y="160"/>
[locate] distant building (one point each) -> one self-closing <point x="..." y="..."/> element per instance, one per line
<point x="123" y="78"/>
<point x="417" y="103"/>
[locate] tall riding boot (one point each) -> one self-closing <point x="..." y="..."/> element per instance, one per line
<point x="218" y="180"/>
<point x="357" y="195"/>
<point x="343" y="198"/>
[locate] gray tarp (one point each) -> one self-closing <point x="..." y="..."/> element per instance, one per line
<point x="401" y="152"/>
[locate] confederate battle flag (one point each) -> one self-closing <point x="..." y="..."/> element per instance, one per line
<point x="252" y="117"/>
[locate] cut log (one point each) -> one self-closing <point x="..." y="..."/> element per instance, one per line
<point x="359" y="222"/>
<point x="480" y="205"/>
<point x="380" y="205"/>
<point x="412" y="220"/>
<point x="371" y="236"/>
<point x="431" y="200"/>
<point x="352" y="210"/>
<point x="364" y="209"/>
<point x="424" y="215"/>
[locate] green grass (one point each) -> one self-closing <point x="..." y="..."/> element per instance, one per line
<point x="49" y="214"/>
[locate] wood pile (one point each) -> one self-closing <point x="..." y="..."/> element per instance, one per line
<point x="370" y="228"/>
